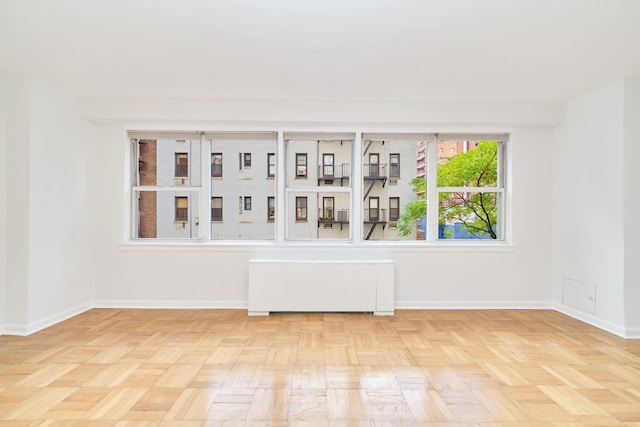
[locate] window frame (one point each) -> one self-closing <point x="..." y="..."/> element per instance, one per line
<point x="179" y="209"/>
<point x="305" y="166"/>
<point x="214" y="165"/>
<point x="394" y="172"/>
<point x="217" y="218"/>
<point x="302" y="212"/>
<point x="271" y="208"/>
<point x="395" y="209"/>
<point x="199" y="191"/>
<point x="181" y="168"/>
<point x="271" y="166"/>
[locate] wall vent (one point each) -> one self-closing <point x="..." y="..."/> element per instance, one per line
<point x="579" y="295"/>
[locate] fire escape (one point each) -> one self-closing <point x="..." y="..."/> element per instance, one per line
<point x="373" y="172"/>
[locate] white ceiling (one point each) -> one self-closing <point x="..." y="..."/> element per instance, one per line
<point x="385" y="50"/>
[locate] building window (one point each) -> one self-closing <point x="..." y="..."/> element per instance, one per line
<point x="182" y="208"/>
<point x="374" y="165"/>
<point x="216" y="165"/>
<point x="373" y="212"/>
<point x="327" y="165"/>
<point x="394" y="164"/>
<point x="182" y="165"/>
<point x="216" y="209"/>
<point x="271" y="208"/>
<point x="247" y="160"/>
<point x="328" y="213"/>
<point x="394" y="208"/>
<point x="247" y="203"/>
<point x="271" y="165"/>
<point x="301" y="208"/>
<point x="301" y="165"/>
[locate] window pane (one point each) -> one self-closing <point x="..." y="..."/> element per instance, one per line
<point x="468" y="164"/>
<point x="216" y="164"/>
<point x="326" y="187"/>
<point x="469" y="215"/>
<point x="166" y="214"/>
<point x="386" y="185"/>
<point x="327" y="216"/>
<point x="271" y="164"/>
<point x="271" y="208"/>
<point x="240" y="218"/>
<point x="168" y="162"/>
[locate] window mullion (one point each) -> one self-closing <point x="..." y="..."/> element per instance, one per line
<point x="205" y="189"/>
<point x="281" y="195"/>
<point x="356" y="220"/>
<point x="432" y="191"/>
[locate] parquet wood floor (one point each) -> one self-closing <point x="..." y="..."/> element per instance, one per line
<point x="190" y="368"/>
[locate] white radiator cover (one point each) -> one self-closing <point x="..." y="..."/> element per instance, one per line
<point x="321" y="286"/>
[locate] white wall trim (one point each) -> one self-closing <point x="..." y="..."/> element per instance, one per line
<point x="164" y="304"/>
<point x="31" y="328"/>
<point x="632" y="334"/>
<point x="24" y="330"/>
<point x="473" y="305"/>
<point x="597" y="322"/>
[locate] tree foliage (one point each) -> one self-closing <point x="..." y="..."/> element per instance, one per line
<point x="475" y="210"/>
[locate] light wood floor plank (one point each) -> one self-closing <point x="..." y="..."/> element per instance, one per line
<point x="188" y="368"/>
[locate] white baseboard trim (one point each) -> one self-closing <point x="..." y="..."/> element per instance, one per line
<point x="593" y="320"/>
<point x="31" y="328"/>
<point x="473" y="305"/>
<point x="633" y="333"/>
<point x="163" y="304"/>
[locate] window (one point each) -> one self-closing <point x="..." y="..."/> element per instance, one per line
<point x="182" y="208"/>
<point x="301" y="165"/>
<point x="327" y="213"/>
<point x="239" y="186"/>
<point x="271" y="208"/>
<point x="216" y="164"/>
<point x="165" y="206"/>
<point x="452" y="187"/>
<point x="327" y="165"/>
<point x="373" y="213"/>
<point x="374" y="165"/>
<point x="394" y="164"/>
<point x="394" y="208"/>
<point x="470" y="191"/>
<point x="182" y="165"/>
<point x="318" y="207"/>
<point x="271" y="165"/>
<point x="301" y="208"/>
<point x="216" y="209"/>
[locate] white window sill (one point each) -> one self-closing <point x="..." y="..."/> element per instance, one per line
<point x="293" y="246"/>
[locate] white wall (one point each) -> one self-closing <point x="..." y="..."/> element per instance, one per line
<point x="588" y="233"/>
<point x="48" y="155"/>
<point x="216" y="276"/>
<point x="60" y="196"/>
<point x="632" y="205"/>
<point x="17" y="124"/>
<point x="3" y="202"/>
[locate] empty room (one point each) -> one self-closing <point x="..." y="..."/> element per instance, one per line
<point x="306" y="213"/>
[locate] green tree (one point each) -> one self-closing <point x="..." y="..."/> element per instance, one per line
<point x="476" y="211"/>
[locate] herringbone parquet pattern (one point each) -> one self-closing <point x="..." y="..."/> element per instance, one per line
<point x="219" y="367"/>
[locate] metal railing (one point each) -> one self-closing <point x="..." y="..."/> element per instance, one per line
<point x="374" y="170"/>
<point x="334" y="171"/>
<point x="375" y="215"/>
<point x="333" y="215"/>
